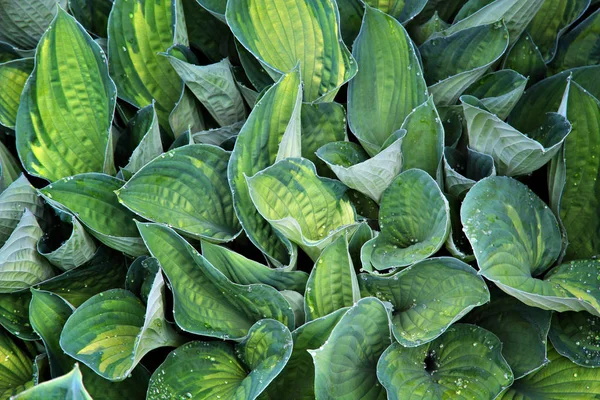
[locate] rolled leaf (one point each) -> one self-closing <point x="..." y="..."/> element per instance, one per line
<point x="20" y="195"/>
<point x="462" y="171"/>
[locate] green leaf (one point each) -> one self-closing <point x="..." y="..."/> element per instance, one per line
<point x="90" y="198"/>
<point x="10" y="168"/>
<point x="578" y="48"/>
<point x="14" y="73"/>
<point x="389" y="83"/>
<point x="402" y="10"/>
<point x="560" y="379"/>
<point x="522" y="330"/>
<point x="14" y="317"/>
<point x="415" y="220"/>
<point x="244" y="271"/>
<point x="240" y="372"/>
<point x="53" y="142"/>
<point x="272" y="121"/>
<point x="290" y="39"/>
<point x="352" y="165"/>
<point x="345" y="365"/>
<point x="16" y="369"/>
<point x="23" y="23"/>
<point x="455" y="62"/>
<point x="218" y="136"/>
<point x="207" y="33"/>
<point x="309" y="210"/>
<point x="332" y="284"/>
<point x="524" y="57"/>
<point x="215" y="7"/>
<point x="215" y="87"/>
<point x="427" y="297"/>
<point x="67" y="387"/>
<point x="462" y="171"/>
<point x="205" y="301"/>
<point x="17" y="197"/>
<point x="166" y="191"/>
<point x="465" y="362"/>
<point x="255" y="72"/>
<point x="21" y="266"/>
<point x="92" y="14"/>
<point x="420" y="33"/>
<point x="112" y="331"/>
<point x="514" y="153"/>
<point x="137" y="32"/>
<point x="499" y="91"/>
<point x="577" y="336"/>
<point x="423" y="145"/>
<point x="351" y="14"/>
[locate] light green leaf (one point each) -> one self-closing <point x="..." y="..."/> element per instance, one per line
<point x="14" y="74"/>
<point x="90" y="197"/>
<point x="524" y="57"/>
<point x="427" y="297"/>
<point x="112" y="331"/>
<point x="577" y="336"/>
<point x="389" y="83"/>
<point x="332" y="284"/>
<point x="10" y="168"/>
<point x="499" y="91"/>
<point x="464" y="363"/>
<point x="218" y="136"/>
<point x="215" y="87"/>
<point x="14" y="314"/>
<point x="560" y="379"/>
<point x="455" y="62"/>
<point x="522" y="330"/>
<point x="244" y="271"/>
<point x="403" y="10"/>
<point x="67" y="387"/>
<point x="53" y="142"/>
<point x="352" y="165"/>
<point x="240" y="372"/>
<point x="16" y="370"/>
<point x="205" y="301"/>
<point x="23" y="23"/>
<point x="578" y="48"/>
<point x="414" y="219"/>
<point x="345" y="365"/>
<point x="137" y="32"/>
<point x="166" y="191"/>
<point x="17" y="197"/>
<point x="305" y="33"/>
<point x="21" y="266"/>
<point x="308" y="210"/>
<point x="257" y="146"/>
<point x="514" y="153"/>
<point x="462" y="171"/>
<point x="92" y="14"/>
<point x="143" y="136"/>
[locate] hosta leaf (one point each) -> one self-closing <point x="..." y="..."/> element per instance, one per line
<point x="423" y="144"/>
<point x="14" y="314"/>
<point x="352" y="165"/>
<point x="17" y="197"/>
<point x="420" y="33"/>
<point x="445" y="8"/>
<point x="91" y="198"/>
<point x="205" y="301"/>
<point x="577" y="337"/>
<point x="67" y="387"/>
<point x="415" y="220"/>
<point x="215" y="87"/>
<point x="10" y="168"/>
<point x="218" y="136"/>
<point x="166" y="191"/>
<point x="427" y="297"/>
<point x="457" y="243"/>
<point x="240" y="372"/>
<point x="560" y="379"/>
<point x="206" y="32"/>
<point x="92" y="14"/>
<point x="255" y="72"/>
<point x="53" y="141"/>
<point x="516" y="14"/>
<point x="186" y="115"/>
<point x="456" y="61"/>
<point x="309" y="210"/>
<point x="514" y="153"/>
<point x="464" y="363"/>
<point x="302" y="32"/>
<point x="389" y="83"/>
<point x="516" y="237"/>
<point x="462" y="171"/>
<point x="23" y="23"/>
<point x="332" y="283"/>
<point x="578" y="48"/>
<point x="351" y="14"/>
<point x="112" y="331"/>
<point x="499" y="91"/>
<point x="16" y="370"/>
<point x="522" y="330"/>
<point x="137" y="32"/>
<point x="553" y="18"/>
<point x="403" y="10"/>
<point x="273" y="120"/>
<point x="524" y="57"/>
<point x="21" y="266"/>
<point x="14" y="73"/>
<point x="345" y="365"/>
<point x="244" y="271"/>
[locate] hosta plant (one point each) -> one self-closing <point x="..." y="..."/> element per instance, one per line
<point x="300" y="199"/>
